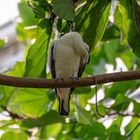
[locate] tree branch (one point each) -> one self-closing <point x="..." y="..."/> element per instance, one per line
<point x="82" y="82"/>
<point x="11" y="114"/>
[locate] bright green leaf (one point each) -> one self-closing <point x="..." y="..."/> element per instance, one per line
<point x="94" y="24"/>
<point x="12" y="135"/>
<point x="32" y="102"/>
<point x="26" y="14"/>
<point x="125" y="21"/>
<point x="37" y="56"/>
<point x="18" y="69"/>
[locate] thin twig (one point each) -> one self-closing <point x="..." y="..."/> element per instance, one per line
<point x="123" y="114"/>
<point x="12" y="115"/>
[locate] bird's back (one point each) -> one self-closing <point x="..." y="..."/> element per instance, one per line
<point x="66" y="60"/>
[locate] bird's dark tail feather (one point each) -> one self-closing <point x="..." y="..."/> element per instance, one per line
<point x="63" y="95"/>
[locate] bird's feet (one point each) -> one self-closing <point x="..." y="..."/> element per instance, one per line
<point x="74" y="78"/>
<point x="59" y="80"/>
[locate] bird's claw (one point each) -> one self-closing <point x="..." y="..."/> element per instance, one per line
<point x="59" y="80"/>
<point x="74" y="78"/>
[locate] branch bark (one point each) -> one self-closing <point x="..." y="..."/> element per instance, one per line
<point x="82" y="82"/>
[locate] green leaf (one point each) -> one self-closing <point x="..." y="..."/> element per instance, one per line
<point x="136" y="109"/>
<point x="125" y="21"/>
<point x="110" y="49"/>
<point x="111" y="33"/>
<point x="136" y="13"/>
<point x="99" y="129"/>
<point x="136" y="134"/>
<point x="95" y="130"/>
<point x="116" y="136"/>
<point x="18" y="69"/>
<point x="83" y="12"/>
<point x="82" y="115"/>
<point x="12" y="135"/>
<point x="64" y="9"/>
<point x="94" y="23"/>
<point x="47" y="130"/>
<point x="121" y="102"/>
<point x="36" y="8"/>
<point x="122" y="87"/>
<point x="51" y="117"/>
<point x="113" y="129"/>
<point x="82" y="90"/>
<point x="26" y="14"/>
<point x="52" y="95"/>
<point x="2" y="43"/>
<point x="132" y="129"/>
<point x="37" y="56"/>
<point x="33" y="102"/>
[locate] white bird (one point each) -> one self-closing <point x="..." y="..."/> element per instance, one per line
<point x="67" y="58"/>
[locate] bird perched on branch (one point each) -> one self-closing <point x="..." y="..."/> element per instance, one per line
<point x="67" y="58"/>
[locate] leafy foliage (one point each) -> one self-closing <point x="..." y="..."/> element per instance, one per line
<point x="111" y="34"/>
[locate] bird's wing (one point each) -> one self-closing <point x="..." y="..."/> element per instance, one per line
<point x="52" y="61"/>
<point x="83" y="65"/>
<point x="81" y="70"/>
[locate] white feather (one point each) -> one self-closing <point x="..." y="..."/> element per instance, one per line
<point x="69" y="52"/>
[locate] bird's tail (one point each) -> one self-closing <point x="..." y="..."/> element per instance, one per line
<point x="63" y="95"/>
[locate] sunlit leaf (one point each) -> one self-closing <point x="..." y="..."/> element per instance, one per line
<point x="125" y="21"/>
<point x="26" y="14"/>
<point x="94" y="24"/>
<point x="18" y="70"/>
<point x="14" y="136"/>
<point x="32" y="102"/>
<point x="37" y="56"/>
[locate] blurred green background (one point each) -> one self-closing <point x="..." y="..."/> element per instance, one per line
<point x="112" y="30"/>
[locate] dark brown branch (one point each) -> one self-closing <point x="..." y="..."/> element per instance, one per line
<point x="45" y="83"/>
